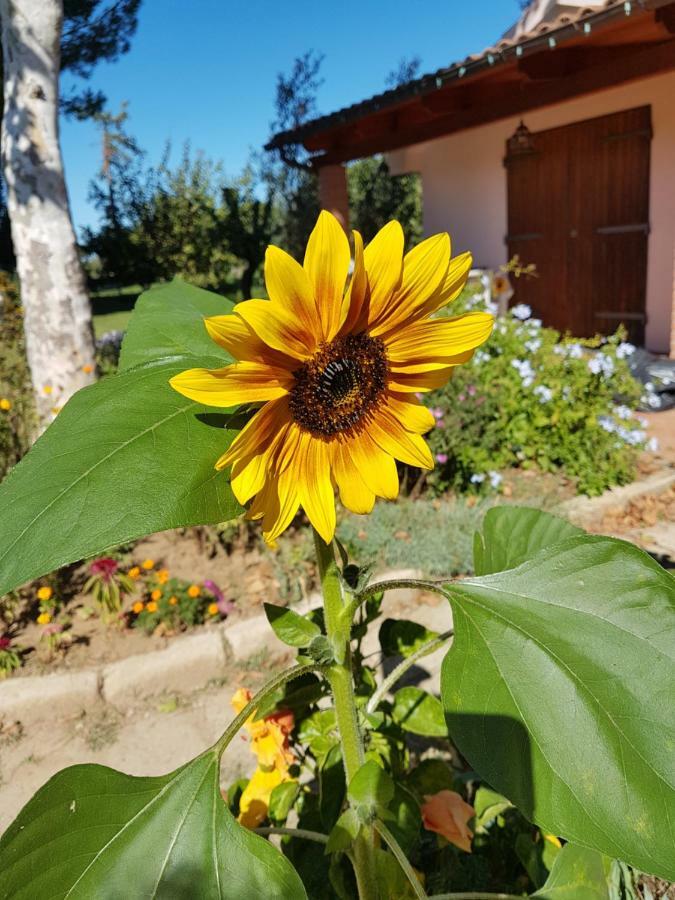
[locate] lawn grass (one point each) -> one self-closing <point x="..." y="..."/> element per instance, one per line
<point x="113" y="321"/>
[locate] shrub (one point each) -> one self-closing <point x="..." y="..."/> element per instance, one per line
<point x="532" y="397"/>
<point x="173" y="605"/>
<point x="17" y="414"/>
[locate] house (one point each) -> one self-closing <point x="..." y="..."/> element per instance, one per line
<point x="556" y="144"/>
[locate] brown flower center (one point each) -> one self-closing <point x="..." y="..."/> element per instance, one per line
<point x="340" y="385"/>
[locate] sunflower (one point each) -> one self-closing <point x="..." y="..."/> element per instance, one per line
<point x="337" y="363"/>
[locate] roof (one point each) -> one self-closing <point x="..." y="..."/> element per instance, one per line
<point x="544" y="25"/>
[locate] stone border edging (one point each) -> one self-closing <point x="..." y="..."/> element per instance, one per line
<point x="583" y="509"/>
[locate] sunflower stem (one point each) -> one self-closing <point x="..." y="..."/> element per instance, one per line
<point x="340" y="679"/>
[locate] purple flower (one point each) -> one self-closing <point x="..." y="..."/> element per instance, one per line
<point x="436" y="412"/>
<point x="472" y="390"/>
<point x="105" y="567"/>
<point x="441" y="458"/>
<point x="225" y="607"/>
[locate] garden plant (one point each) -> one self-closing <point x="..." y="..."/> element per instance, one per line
<point x="557" y="685"/>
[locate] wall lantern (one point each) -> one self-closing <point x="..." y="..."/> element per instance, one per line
<point x="520" y="141"/>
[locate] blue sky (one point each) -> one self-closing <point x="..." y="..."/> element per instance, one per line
<point x="205" y="70"/>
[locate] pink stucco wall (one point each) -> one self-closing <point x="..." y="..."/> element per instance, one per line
<point x="464" y="185"/>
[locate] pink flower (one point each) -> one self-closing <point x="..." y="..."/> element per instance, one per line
<point x="442" y="458"/>
<point x="440" y="423"/>
<point x="5" y="643"/>
<point x="225" y="607"/>
<point x="447" y="813"/>
<point x="472" y="390"/>
<point x="105" y="567"/>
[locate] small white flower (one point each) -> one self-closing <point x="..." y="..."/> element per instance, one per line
<point x="532" y="345"/>
<point x="477" y="478"/>
<point x="481" y="356"/>
<point x="653" y="444"/>
<point x="535" y="324"/>
<point x="521" y="311"/>
<point x="495" y="479"/>
<point x="623" y="412"/>
<point x="625" y="349"/>
<point x="544" y="393"/>
<point x="600" y="364"/>
<point x="607" y="423"/>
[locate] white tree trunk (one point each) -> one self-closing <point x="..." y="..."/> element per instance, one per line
<point x="57" y="313"/>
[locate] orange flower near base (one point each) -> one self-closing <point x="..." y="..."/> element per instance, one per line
<point x="163" y="576"/>
<point x="152" y="607"/>
<point x="148" y="564"/>
<point x="134" y="572"/>
<point x="156" y="595"/>
<point x="138" y="607"/>
<point x="269" y="743"/>
<point x="334" y="362"/>
<point x="44" y="593"/>
<point x="5" y="404"/>
<point x="447" y="814"/>
<point x="194" y="591"/>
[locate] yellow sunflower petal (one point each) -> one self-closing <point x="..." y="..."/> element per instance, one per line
<point x="235" y="336"/>
<point x="277" y="328"/>
<point x="376" y="467"/>
<point x="243" y="382"/>
<point x="424" y="269"/>
<point x="450" y="288"/>
<point x="383" y="259"/>
<point x="315" y="489"/>
<point x="283" y="505"/>
<point x="290" y="289"/>
<point x="257" y="432"/>
<point x="250" y="473"/>
<point x="391" y="436"/>
<point x="419" y="382"/>
<point x="438" y="340"/>
<point x="354" y="493"/>
<point x="411" y="413"/>
<point x="327" y="264"/>
<point x="355" y="304"/>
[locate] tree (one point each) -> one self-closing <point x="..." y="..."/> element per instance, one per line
<point x="376" y="196"/>
<point x="407" y="69"/>
<point x="57" y="314"/>
<point x="248" y="227"/>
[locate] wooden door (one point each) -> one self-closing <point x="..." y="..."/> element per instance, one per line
<point x="578" y="207"/>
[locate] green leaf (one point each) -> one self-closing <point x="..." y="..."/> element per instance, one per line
<point x="344" y="831"/>
<point x="332" y="788"/>
<point x="282" y="798"/>
<point x="419" y="712"/>
<point x="488" y="805"/>
<point x="513" y="534"/>
<point x="168" y="323"/>
<point x="558" y="690"/>
<point x="290" y="627"/>
<point x="91" y="831"/>
<point x="406" y="818"/>
<point x="371" y="788"/>
<point x="577" y="872"/>
<point x="125" y="457"/>
<point x="430" y="777"/>
<point x="401" y="637"/>
<point x="319" y="732"/>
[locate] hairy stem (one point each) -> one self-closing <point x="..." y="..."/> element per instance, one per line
<point x="475" y="895"/>
<point x="397" y="850"/>
<point x="403" y="667"/>
<point x="296" y="832"/>
<point x="436" y="586"/>
<point x="254" y="703"/>
<point x="340" y="679"/>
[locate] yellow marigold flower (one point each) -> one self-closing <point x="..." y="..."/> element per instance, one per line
<point x="152" y="606"/>
<point x="163" y="576"/>
<point x="173" y="601"/>
<point x="47" y="389"/>
<point x="134" y="572"/>
<point x="44" y="619"/>
<point x="44" y="593"/>
<point x="213" y="609"/>
<point x="5" y="404"/>
<point x="255" y="799"/>
<point x="336" y="364"/>
<point x="194" y="591"/>
<point x="156" y="595"/>
<point x="148" y="564"/>
<point x="138" y="607"/>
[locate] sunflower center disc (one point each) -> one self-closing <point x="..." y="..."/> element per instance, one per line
<point x="342" y="382"/>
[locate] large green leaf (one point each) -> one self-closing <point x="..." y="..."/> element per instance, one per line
<point x="168" y="322"/>
<point x="513" y="534"/>
<point x="577" y="872"/>
<point x="94" y="832"/>
<point x="558" y="689"/>
<point x="125" y="457"/>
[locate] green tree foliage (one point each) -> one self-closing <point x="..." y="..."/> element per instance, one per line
<point x="376" y="196"/>
<point x="248" y="226"/>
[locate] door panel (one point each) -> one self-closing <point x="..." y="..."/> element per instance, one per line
<point x="578" y="207"/>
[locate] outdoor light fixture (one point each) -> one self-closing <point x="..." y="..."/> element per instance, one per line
<point x="520" y="141"/>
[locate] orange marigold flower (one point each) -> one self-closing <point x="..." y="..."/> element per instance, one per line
<point x="5" y="404"/>
<point x="134" y="572"/>
<point x="156" y="595"/>
<point x="44" y="618"/>
<point x="45" y="593"/>
<point x="194" y="591"/>
<point x="173" y="601"/>
<point x="213" y="609"/>
<point x="138" y="607"/>
<point x="87" y="369"/>
<point x="152" y="606"/>
<point x="447" y="814"/>
<point x="335" y="362"/>
<point x="163" y="576"/>
<point x="148" y="564"/>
